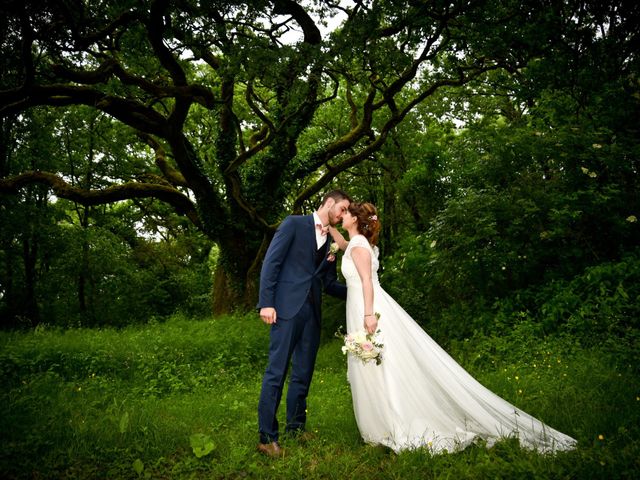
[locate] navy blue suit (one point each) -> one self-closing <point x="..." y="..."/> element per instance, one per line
<point x="293" y="275"/>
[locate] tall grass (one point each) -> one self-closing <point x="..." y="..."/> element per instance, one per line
<point x="128" y="403"/>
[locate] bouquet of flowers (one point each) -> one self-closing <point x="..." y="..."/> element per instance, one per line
<point x="365" y="346"/>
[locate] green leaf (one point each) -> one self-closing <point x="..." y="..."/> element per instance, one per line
<point x="124" y="422"/>
<point x="201" y="444"/>
<point x="138" y="466"/>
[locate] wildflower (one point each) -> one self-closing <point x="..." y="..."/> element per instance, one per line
<point x="520" y="391"/>
<point x="632" y="219"/>
<point x="596" y="145"/>
<point x="600" y="437"/>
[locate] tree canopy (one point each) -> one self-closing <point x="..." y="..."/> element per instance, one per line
<point x="220" y="97"/>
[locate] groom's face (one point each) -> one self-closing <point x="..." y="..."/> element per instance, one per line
<point x="337" y="211"/>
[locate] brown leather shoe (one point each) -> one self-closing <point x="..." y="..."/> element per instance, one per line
<point x="272" y="450"/>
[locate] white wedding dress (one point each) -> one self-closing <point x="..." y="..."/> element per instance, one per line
<point x="419" y="396"/>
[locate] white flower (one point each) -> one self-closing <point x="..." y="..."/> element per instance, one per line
<point x="632" y="219"/>
<point x="359" y="337"/>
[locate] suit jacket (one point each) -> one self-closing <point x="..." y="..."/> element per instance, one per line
<point x="289" y="274"/>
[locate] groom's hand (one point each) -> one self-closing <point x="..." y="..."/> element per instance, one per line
<point x="268" y="315"/>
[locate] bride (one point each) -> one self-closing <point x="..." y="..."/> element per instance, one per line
<point x="418" y="396"/>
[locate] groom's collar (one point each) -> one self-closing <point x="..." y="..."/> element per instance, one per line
<point x="316" y="219"/>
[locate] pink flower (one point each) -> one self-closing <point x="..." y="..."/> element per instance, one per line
<point x="331" y="257"/>
<point x="367" y="346"/>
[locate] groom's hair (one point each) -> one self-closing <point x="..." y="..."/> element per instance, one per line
<point x="337" y="195"/>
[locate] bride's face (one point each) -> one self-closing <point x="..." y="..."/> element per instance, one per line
<point x="348" y="220"/>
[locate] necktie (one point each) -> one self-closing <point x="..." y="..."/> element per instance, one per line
<point x="323" y="230"/>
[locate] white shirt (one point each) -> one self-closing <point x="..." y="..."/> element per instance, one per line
<point x="320" y="239"/>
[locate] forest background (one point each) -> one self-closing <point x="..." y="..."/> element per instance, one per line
<point x="148" y="151"/>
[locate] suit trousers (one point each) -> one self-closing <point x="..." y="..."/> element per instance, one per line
<point x="296" y="341"/>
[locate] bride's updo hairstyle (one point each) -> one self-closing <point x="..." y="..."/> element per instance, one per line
<point x="368" y="223"/>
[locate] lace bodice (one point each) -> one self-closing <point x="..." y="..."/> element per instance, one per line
<point x="349" y="270"/>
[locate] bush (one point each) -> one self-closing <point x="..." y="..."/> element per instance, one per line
<point x="600" y="307"/>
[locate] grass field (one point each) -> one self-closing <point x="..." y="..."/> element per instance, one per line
<point x="178" y="400"/>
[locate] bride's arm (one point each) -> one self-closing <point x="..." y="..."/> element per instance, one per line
<point x="362" y="260"/>
<point x="338" y="238"/>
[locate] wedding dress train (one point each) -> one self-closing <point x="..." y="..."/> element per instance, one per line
<point x="419" y="396"/>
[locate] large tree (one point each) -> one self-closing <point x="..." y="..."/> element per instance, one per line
<point x="222" y="96"/>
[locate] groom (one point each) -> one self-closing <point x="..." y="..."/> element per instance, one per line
<point x="294" y="272"/>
